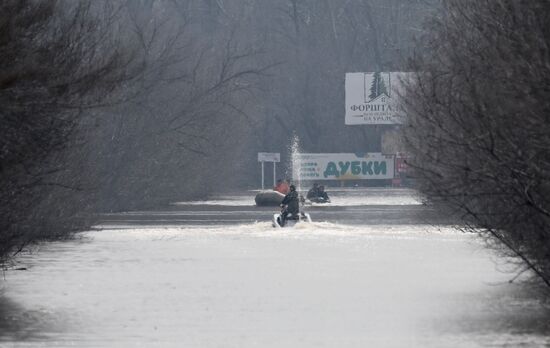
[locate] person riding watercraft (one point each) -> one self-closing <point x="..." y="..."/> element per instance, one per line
<point x="313" y="192"/>
<point x="290" y="205"/>
<point x="323" y="194"/>
<point x="317" y="194"/>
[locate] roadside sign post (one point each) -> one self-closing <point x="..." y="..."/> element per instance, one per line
<point x="274" y="173"/>
<point x="262" y="175"/>
<point x="269" y="157"/>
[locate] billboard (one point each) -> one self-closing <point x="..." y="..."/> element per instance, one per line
<point x="342" y="166"/>
<point x="372" y="98"/>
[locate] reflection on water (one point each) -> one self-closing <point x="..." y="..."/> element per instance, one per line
<point x="242" y="285"/>
<point x="20" y="324"/>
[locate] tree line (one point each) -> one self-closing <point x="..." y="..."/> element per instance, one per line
<point x="99" y="99"/>
<point x="478" y="126"/>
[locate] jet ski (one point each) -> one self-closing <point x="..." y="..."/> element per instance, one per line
<point x="319" y="200"/>
<point x="291" y="219"/>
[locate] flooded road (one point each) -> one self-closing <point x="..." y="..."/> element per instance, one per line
<point x="375" y="269"/>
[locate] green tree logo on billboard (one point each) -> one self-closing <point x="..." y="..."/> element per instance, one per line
<point x="378" y="86"/>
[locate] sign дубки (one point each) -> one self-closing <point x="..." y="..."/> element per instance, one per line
<point x="343" y="166"/>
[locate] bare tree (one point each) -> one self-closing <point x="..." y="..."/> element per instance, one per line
<point x="57" y="59"/>
<point x="478" y="122"/>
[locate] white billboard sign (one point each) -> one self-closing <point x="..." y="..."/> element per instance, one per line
<point x="269" y="157"/>
<point x="342" y="166"/>
<point x="372" y="98"/>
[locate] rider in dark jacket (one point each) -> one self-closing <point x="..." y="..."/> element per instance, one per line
<point x="323" y="194"/>
<point x="313" y="192"/>
<point x="292" y="204"/>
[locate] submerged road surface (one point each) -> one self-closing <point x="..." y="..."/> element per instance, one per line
<point x="375" y="269"/>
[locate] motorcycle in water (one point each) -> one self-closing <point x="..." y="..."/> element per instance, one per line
<point x="291" y="219"/>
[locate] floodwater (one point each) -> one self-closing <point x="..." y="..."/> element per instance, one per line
<point x="375" y="269"/>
